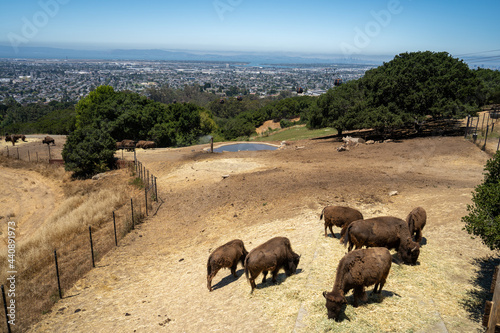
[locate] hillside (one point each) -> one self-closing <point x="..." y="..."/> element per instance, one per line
<point x="156" y="279"/>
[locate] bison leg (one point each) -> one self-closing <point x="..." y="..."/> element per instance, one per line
<point x="210" y="277"/>
<point x="359" y="294"/>
<point x="325" y="230"/>
<point x="233" y="269"/>
<point x="331" y="230"/>
<point x="264" y="278"/>
<point x="275" y="274"/>
<point x="418" y="237"/>
<point x="252" y="284"/>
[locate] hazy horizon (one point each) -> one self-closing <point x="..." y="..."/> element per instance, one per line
<point x="317" y="28"/>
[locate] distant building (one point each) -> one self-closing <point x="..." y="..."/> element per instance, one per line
<point x="4" y="80"/>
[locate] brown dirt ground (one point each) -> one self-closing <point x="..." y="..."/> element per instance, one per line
<point x="156" y="279"/>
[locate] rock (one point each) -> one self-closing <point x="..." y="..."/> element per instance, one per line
<point x="393" y="193"/>
<point x="370" y="142"/>
<point x="225" y="176"/>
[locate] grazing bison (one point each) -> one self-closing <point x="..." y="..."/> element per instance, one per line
<point x="140" y="144"/>
<point x="386" y="231"/>
<point x="148" y="144"/>
<point x="339" y="216"/>
<point x="19" y="136"/>
<point x="416" y="222"/>
<point x="11" y="138"/>
<point x="125" y="144"/>
<point x="356" y="270"/>
<point x="273" y="255"/>
<point x="228" y="256"/>
<point x="47" y="140"/>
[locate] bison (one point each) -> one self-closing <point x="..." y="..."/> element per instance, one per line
<point x="11" y="138"/>
<point x="339" y="216"/>
<point x="149" y="144"/>
<point x="356" y="270"/>
<point x="125" y="144"/>
<point x="140" y="144"/>
<point x="228" y="256"/>
<point x="47" y="140"/>
<point x="385" y="231"/>
<point x="416" y="222"/>
<point x="272" y="255"/>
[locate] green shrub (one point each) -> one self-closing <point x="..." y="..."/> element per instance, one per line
<point x="484" y="214"/>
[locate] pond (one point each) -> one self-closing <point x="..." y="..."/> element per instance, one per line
<point x="244" y="147"/>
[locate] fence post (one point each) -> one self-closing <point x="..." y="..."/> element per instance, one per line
<point x="485" y="138"/>
<point x="7" y="151"/>
<point x="49" y="153"/>
<point x="91" y="246"/>
<point x="29" y="157"/>
<point x="114" y="226"/>
<point x="156" y="191"/>
<point x="57" y="273"/>
<point x="36" y="157"/>
<point x="146" y="197"/>
<point x="5" y="307"/>
<point x="17" y="152"/>
<point x="132" y="207"/>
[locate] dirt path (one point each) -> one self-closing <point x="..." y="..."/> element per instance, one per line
<point x="156" y="279"/>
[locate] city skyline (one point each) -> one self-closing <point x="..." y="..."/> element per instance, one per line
<point x="292" y="27"/>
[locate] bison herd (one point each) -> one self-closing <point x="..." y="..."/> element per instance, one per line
<point x="130" y="145"/>
<point x="358" y="269"/>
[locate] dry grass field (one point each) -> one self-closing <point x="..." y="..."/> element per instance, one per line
<point x="155" y="280"/>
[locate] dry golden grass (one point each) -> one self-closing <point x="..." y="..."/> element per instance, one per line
<point x="83" y="204"/>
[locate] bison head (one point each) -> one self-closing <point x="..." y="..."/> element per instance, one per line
<point x="293" y="262"/>
<point x="410" y="252"/>
<point x="334" y="303"/>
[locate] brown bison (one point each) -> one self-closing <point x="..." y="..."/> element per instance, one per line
<point x="11" y="138"/>
<point x="273" y="255"/>
<point x="356" y="270"/>
<point x="416" y="222"/>
<point x="149" y="144"/>
<point x="125" y="144"/>
<point x="228" y="256"/>
<point x="385" y="231"/>
<point x="140" y="144"/>
<point x="339" y="216"/>
<point x="48" y="140"/>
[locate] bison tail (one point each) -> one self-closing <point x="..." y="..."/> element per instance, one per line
<point x="209" y="267"/>
<point x="246" y="268"/>
<point x="344" y="238"/>
<point x="322" y="214"/>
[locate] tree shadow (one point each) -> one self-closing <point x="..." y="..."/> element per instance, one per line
<point x="475" y="298"/>
<point x="228" y="279"/>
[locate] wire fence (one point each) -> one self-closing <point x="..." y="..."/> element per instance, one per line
<point x="41" y="285"/>
<point x="483" y="131"/>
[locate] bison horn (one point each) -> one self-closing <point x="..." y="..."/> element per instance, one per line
<point x="324" y="294"/>
<point x="415" y="248"/>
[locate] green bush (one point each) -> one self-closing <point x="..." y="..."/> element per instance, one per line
<point x="88" y="151"/>
<point x="484" y="214"/>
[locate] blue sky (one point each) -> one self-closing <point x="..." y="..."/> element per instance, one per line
<point x="386" y="27"/>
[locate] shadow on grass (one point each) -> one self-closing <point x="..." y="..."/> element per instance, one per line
<point x="279" y="279"/>
<point x="475" y="298"/>
<point x="228" y="279"/>
<point x="372" y="298"/>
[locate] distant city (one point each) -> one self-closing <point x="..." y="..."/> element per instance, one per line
<point x="45" y="80"/>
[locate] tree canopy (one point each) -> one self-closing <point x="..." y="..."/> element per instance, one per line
<point x="408" y="88"/>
